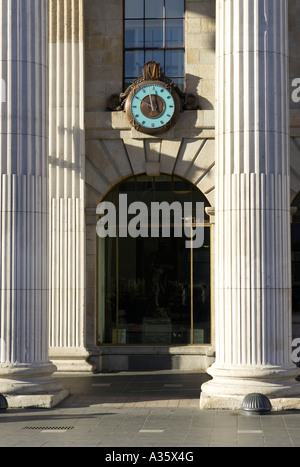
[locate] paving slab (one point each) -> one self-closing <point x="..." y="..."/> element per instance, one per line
<point x="143" y="411"/>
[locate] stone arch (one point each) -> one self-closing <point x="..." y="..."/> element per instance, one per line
<point x="110" y="161"/>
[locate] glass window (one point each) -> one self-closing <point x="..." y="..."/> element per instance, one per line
<point x="154" y="30"/>
<point x="174" y="33"/>
<point x="295" y="243"/>
<point x="156" y="55"/>
<point x="174" y="8"/>
<point x="154" y="33"/>
<point x="154" y="8"/>
<point x="154" y="290"/>
<point x="134" y="34"/>
<point x="134" y="63"/>
<point x="174" y="63"/>
<point x="134" y="9"/>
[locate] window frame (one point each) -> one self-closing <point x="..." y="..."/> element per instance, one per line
<point x="144" y="49"/>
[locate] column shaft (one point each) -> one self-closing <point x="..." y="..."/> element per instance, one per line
<point x="67" y="187"/>
<point x="253" y="282"/>
<point x="25" y="370"/>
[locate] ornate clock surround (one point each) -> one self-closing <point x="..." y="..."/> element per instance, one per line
<point x="152" y="74"/>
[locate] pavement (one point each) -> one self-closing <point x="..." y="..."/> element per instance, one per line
<point x="157" y="411"/>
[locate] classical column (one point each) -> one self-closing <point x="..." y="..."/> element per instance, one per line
<point x="67" y="188"/>
<point x="25" y="371"/>
<point x="253" y="264"/>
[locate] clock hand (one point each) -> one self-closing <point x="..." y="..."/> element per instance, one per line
<point x="152" y="108"/>
<point x="149" y="105"/>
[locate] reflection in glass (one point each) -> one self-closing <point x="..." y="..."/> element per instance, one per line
<point x="154" y="290"/>
<point x="154" y="8"/>
<point x="157" y="25"/>
<point x="154" y="36"/>
<point x="134" y="9"/>
<point x="134" y="62"/>
<point x="201" y="292"/>
<point x="174" y="33"/>
<point x="179" y="82"/>
<point x="157" y="56"/>
<point x="295" y="240"/>
<point x="174" y="65"/>
<point x="174" y="8"/>
<point x="134" y="34"/>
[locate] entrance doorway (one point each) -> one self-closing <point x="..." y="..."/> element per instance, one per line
<point x="295" y="243"/>
<point x="154" y="291"/>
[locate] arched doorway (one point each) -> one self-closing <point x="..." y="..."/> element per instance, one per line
<point x="154" y="290"/>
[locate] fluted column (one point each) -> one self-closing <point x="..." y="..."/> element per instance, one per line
<point x="253" y="282"/>
<point x="67" y="187"/>
<point x="25" y="370"/>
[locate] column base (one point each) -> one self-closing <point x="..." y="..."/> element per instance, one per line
<point x="33" y="386"/>
<point x="230" y="385"/>
<point x="36" y="401"/>
<point x="208" y="402"/>
<point x="71" y="360"/>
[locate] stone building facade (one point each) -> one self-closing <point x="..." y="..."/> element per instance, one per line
<point x="238" y="147"/>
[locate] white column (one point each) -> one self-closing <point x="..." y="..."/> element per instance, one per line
<point x="253" y="278"/>
<point x="67" y="187"/>
<point x="25" y="370"/>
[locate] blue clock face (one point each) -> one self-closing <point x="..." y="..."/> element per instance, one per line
<point x="152" y="106"/>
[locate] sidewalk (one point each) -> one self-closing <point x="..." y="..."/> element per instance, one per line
<point x="144" y="409"/>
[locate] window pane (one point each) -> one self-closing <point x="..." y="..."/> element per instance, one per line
<point x="154" y="35"/>
<point x="174" y="8"/>
<point x="134" y="9"/>
<point x="174" y="63"/>
<point x="174" y="33"/>
<point x="201" y="289"/>
<point x="128" y="82"/>
<point x="134" y="34"/>
<point x="179" y="82"/>
<point x="134" y="63"/>
<point x="154" y="8"/>
<point x="157" y="56"/>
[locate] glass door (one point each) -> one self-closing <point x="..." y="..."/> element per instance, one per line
<point x="154" y="291"/>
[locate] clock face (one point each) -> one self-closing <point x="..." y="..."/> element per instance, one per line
<point x="152" y="108"/>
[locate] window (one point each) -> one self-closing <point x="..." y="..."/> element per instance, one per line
<point x="295" y="231"/>
<point x="154" y="30"/>
<point x="154" y="290"/>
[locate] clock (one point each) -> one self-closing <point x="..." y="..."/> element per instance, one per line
<point x="152" y="107"/>
<point x="152" y="103"/>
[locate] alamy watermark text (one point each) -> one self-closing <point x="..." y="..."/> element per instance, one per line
<point x="165" y="218"/>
